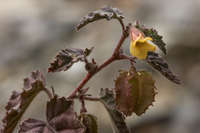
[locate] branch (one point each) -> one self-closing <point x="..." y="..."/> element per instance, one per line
<point x="122" y="24"/>
<point x="115" y="56"/>
<point x="89" y="98"/>
<point x="125" y="34"/>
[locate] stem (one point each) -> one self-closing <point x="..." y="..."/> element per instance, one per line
<point x="116" y="51"/>
<point x="122" y="24"/>
<point x="94" y="99"/>
<point x="114" y="57"/>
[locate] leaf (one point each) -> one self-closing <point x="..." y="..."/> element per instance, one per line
<point x="19" y="101"/>
<point x="66" y="58"/>
<point x="135" y="92"/>
<point x="90" y="123"/>
<point x="161" y="65"/>
<point x="107" y="13"/>
<point x="117" y="118"/>
<point x="61" y="118"/>
<point x="34" y="126"/>
<point x="157" y="39"/>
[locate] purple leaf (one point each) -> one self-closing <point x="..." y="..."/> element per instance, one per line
<point x="161" y="65"/>
<point x="34" y="126"/>
<point x="117" y="118"/>
<point x="107" y="13"/>
<point x="19" y="101"/>
<point x="61" y="118"/>
<point x="66" y="58"/>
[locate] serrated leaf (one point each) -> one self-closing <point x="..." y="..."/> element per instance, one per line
<point x="19" y="101"/>
<point x="66" y="58"/>
<point x="161" y="65"/>
<point x="117" y="118"/>
<point x="135" y="92"/>
<point x="90" y="123"/>
<point x="61" y="118"/>
<point x="150" y="32"/>
<point x="107" y="13"/>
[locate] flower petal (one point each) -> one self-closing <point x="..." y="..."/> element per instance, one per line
<point x="140" y="47"/>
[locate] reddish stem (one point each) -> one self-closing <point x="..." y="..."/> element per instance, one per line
<point x="83" y="82"/>
<point x="89" y="98"/>
<point x="115" y="56"/>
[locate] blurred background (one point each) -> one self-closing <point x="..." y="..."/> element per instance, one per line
<point x="33" y="31"/>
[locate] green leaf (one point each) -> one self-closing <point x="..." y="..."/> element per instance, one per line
<point x="90" y="122"/>
<point x="19" y="101"/>
<point x="107" y="13"/>
<point x="157" y="39"/>
<point x="117" y="118"/>
<point x="135" y="92"/>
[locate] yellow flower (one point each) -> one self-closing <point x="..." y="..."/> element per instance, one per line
<point x="140" y="45"/>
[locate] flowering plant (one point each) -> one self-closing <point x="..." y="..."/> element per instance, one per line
<point x="133" y="92"/>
